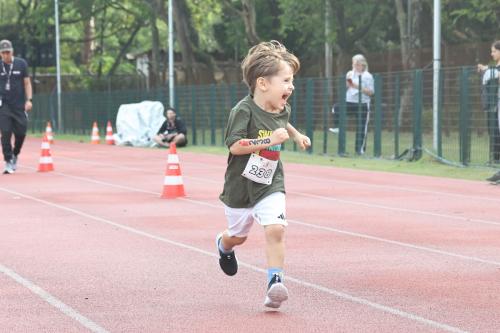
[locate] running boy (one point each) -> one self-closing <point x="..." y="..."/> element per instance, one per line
<point x="254" y="188"/>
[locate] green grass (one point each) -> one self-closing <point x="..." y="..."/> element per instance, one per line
<point x="65" y="137"/>
<point x="426" y="166"/>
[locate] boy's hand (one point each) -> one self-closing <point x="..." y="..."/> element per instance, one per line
<point x="303" y="141"/>
<point x="279" y="136"/>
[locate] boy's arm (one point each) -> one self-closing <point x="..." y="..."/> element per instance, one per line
<point x="292" y="131"/>
<point x="302" y="140"/>
<point x="248" y="146"/>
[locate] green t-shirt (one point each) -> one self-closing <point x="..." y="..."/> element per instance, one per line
<point x="248" y="121"/>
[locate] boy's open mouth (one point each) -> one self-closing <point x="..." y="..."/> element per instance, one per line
<point x="285" y="97"/>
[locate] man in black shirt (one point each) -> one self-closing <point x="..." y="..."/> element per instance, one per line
<point x="15" y="103"/>
<point x="172" y="130"/>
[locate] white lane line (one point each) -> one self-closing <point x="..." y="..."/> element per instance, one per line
<point x="396" y="209"/>
<point x="350" y="202"/>
<point x="121" y="167"/>
<point x="58" y="304"/>
<point x="304" y="224"/>
<point x="397" y="188"/>
<point x="408" y="245"/>
<point x="329" y="180"/>
<point x="339" y="294"/>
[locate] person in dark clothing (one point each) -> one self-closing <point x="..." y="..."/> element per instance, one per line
<point x="172" y="130"/>
<point x="490" y="95"/>
<point x="15" y="103"/>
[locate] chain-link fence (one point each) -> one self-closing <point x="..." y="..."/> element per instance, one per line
<point x="399" y="124"/>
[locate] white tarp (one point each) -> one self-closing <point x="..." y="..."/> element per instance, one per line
<point x="138" y="123"/>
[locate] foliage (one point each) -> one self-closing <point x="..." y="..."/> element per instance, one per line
<point x="106" y="28"/>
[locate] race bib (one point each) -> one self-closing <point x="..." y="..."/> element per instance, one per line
<point x="260" y="169"/>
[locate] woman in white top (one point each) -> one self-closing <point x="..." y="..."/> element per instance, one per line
<point x="491" y="101"/>
<point x="355" y="106"/>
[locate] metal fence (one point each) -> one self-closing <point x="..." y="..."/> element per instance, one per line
<point x="400" y="125"/>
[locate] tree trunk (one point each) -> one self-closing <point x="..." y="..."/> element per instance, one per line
<point x="328" y="42"/>
<point x="248" y="15"/>
<point x="88" y="44"/>
<point x="101" y="46"/>
<point x="124" y="48"/>
<point x="182" y="32"/>
<point x="409" y="34"/>
<point x="409" y="31"/>
<point x="341" y="62"/>
<point x="154" y="68"/>
<point x="346" y="35"/>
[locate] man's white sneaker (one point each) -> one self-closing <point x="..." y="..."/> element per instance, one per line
<point x="13" y="162"/>
<point x="8" y="168"/>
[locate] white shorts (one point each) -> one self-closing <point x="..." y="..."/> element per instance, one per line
<point x="270" y="210"/>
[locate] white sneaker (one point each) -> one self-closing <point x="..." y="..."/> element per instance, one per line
<point x="9" y="169"/>
<point x="13" y="162"/>
<point x="277" y="293"/>
<point x="334" y="130"/>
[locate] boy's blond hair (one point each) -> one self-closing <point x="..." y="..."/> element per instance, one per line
<point x="264" y="59"/>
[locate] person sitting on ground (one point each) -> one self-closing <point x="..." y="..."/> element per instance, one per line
<point x="173" y="130"/>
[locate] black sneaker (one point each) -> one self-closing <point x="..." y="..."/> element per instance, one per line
<point x="494" y="178"/>
<point x="227" y="261"/>
<point x="276" y="292"/>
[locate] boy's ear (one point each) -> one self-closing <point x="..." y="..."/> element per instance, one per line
<point x="261" y="84"/>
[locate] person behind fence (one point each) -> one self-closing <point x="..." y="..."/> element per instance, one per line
<point x="254" y="189"/>
<point x="490" y="94"/>
<point x="15" y="103"/>
<point x="173" y="130"/>
<point x="356" y="107"/>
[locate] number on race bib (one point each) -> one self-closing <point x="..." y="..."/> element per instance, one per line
<point x="260" y="169"/>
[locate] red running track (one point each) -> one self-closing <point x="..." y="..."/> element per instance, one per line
<point x="92" y="247"/>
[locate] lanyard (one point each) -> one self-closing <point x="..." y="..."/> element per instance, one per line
<point x="7" y="85"/>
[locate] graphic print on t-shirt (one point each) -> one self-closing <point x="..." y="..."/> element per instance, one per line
<point x="271" y="153"/>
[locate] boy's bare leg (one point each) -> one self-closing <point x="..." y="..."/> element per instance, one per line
<point x="275" y="251"/>
<point x="228" y="242"/>
<point x="275" y="245"/>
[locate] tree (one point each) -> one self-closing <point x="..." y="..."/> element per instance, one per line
<point x="154" y="8"/>
<point x="245" y="9"/>
<point x="409" y="19"/>
<point x="347" y="34"/>
<point x="186" y="37"/>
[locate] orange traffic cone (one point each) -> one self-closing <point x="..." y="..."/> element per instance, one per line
<point x="45" y="157"/>
<point x="173" y="186"/>
<point x="48" y="133"/>
<point x="109" y="134"/>
<point x="94" y="139"/>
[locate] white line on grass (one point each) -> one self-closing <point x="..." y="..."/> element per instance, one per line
<point x="339" y="294"/>
<point x="304" y="224"/>
<point x="59" y="305"/>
